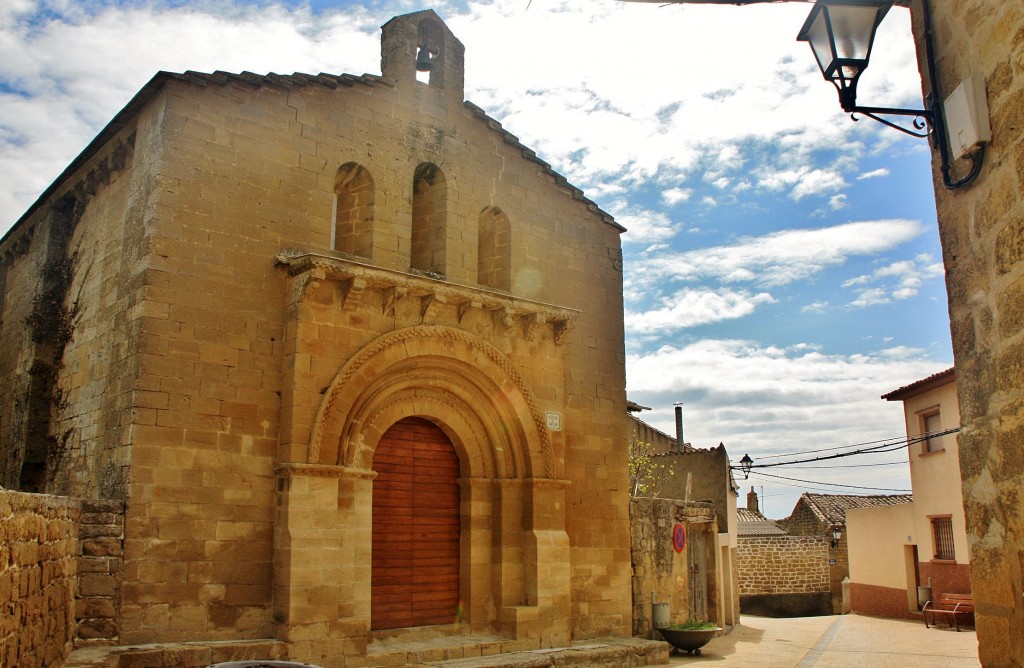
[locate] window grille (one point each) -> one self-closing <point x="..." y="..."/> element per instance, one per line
<point x="942" y="530"/>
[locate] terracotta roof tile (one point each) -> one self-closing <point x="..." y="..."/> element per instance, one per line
<point x="831" y="508"/>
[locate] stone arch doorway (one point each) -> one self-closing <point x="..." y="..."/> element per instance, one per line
<point x="514" y="556"/>
<point x="416" y="518"/>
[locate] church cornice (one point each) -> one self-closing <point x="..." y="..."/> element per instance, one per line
<point x="356" y="277"/>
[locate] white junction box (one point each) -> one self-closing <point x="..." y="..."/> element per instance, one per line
<point x="966" y="116"/>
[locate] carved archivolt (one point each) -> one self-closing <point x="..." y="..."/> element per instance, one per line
<point x="456" y="379"/>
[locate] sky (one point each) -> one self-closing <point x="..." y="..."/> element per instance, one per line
<point x="782" y="266"/>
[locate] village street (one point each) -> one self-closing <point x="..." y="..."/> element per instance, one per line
<point x="845" y="641"/>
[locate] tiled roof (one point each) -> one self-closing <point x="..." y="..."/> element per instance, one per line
<point x="286" y="81"/>
<point x="753" y="523"/>
<point x="745" y="515"/>
<point x="831" y="508"/>
<point x="918" y="387"/>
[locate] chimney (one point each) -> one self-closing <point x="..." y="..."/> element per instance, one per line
<point x="680" y="443"/>
<point x="752" y="501"/>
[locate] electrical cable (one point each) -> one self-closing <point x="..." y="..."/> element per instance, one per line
<point x="832" y="484"/>
<point x="886" y="446"/>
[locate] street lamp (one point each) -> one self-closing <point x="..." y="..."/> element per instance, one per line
<point x="745" y="465"/>
<point x="837" y="533"/>
<point x="841" y="34"/>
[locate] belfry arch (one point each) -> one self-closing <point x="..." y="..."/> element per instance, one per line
<point x="514" y="549"/>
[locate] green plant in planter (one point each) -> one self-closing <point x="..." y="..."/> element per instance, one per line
<point x="694" y="625"/>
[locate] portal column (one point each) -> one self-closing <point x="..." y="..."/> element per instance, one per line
<point x="322" y="543"/>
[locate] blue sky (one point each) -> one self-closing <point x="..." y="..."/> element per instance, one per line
<point x="782" y="265"/>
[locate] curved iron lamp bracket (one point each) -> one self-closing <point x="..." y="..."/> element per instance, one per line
<point x="922" y="119"/>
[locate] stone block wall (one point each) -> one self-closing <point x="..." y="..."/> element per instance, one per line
<point x="982" y="232"/>
<point x="660" y="573"/>
<point x="38" y="549"/>
<point x="783" y="565"/>
<point x="100" y="569"/>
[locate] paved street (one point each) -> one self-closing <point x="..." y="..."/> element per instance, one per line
<point x="846" y="641"/>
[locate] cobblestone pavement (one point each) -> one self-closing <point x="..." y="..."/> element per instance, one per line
<point x="845" y="641"/>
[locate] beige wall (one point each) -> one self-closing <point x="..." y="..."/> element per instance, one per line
<point x="980" y="228"/>
<point x="935" y="476"/>
<point x="877" y="537"/>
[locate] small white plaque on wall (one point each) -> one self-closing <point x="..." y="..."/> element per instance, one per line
<point x="554" y="421"/>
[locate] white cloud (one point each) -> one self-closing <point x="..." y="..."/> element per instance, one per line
<point x="674" y="196"/>
<point x="691" y="307"/>
<point x="643" y="225"/>
<point x="778" y="258"/>
<point x="900" y="280"/>
<point x="837" y="202"/>
<point x="873" y="174"/>
<point x="815" y="307"/>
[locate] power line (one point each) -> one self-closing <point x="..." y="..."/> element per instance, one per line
<point x="832" y="484"/>
<point x="853" y="466"/>
<point x="888" y="445"/>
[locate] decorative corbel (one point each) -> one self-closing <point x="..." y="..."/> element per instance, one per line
<point x="352" y="292"/>
<point x="467" y="306"/>
<point x="561" y="329"/>
<point x="429" y="304"/>
<point x="391" y="297"/>
<point x="532" y="322"/>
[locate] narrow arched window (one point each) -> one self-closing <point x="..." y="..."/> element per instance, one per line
<point x="429" y="217"/>
<point x="494" y="249"/>
<point x="353" y="210"/>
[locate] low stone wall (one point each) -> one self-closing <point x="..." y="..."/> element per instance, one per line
<point x="784" y="576"/>
<point x="38" y="553"/>
<point x="783" y="565"/>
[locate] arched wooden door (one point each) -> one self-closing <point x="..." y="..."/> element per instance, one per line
<point x="415" y="574"/>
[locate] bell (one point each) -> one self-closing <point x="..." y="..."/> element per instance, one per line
<point x="423" y="63"/>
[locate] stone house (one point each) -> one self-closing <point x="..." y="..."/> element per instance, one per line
<point x="702" y="475"/>
<point x="819" y="514"/>
<point x="349" y="353"/>
<point x="894" y="550"/>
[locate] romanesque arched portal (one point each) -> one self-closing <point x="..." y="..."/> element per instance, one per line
<point x="513" y="547"/>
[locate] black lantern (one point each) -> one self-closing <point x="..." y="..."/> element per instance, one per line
<point x="837" y="533"/>
<point x="840" y="33"/>
<point x="745" y="465"/>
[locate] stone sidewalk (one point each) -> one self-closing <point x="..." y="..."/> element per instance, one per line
<point x="847" y="641"/>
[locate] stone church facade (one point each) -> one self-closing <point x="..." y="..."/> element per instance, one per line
<point x="351" y="355"/>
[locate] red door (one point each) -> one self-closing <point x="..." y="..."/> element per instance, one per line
<point x="415" y="575"/>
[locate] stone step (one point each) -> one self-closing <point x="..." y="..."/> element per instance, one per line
<point x="440" y="652"/>
<point x="605" y="653"/>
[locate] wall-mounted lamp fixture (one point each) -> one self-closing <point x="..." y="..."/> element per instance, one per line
<point x="837" y="533"/>
<point x="745" y="465"/>
<point x="841" y="34"/>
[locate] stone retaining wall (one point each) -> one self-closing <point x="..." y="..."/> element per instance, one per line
<point x="38" y="550"/>
<point x="783" y="565"/>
